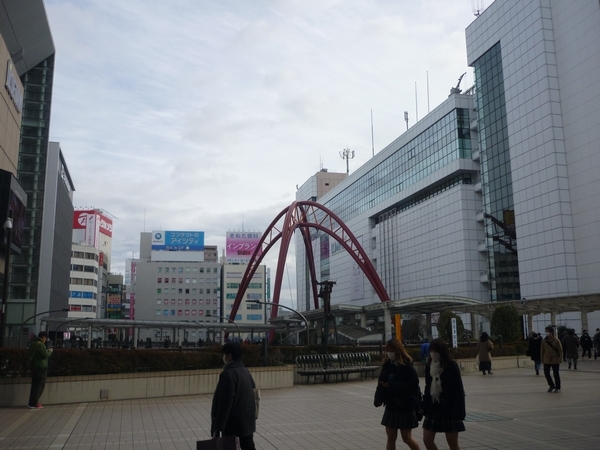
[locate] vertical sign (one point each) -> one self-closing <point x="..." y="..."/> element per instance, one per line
<point x="454" y="334"/>
<point x="398" y="325"/>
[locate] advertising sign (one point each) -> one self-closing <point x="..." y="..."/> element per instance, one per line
<point x="240" y="246"/>
<point x="88" y="224"/>
<point x="178" y="240"/>
<point x="454" y="334"/>
<point x="12" y="204"/>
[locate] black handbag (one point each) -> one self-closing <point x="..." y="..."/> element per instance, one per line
<point x="219" y="443"/>
<point x="379" y="396"/>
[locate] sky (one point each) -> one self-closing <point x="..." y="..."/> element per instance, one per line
<point x="206" y="114"/>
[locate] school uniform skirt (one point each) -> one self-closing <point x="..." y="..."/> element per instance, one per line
<point x="435" y="422"/>
<point x="399" y="420"/>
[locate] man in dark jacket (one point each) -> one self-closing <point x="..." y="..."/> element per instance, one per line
<point x="38" y="363"/>
<point x="233" y="409"/>
<point x="586" y="344"/>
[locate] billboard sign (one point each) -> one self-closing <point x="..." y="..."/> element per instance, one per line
<point x="240" y="246"/>
<point x="88" y="224"/>
<point x="178" y="241"/>
<point x="13" y="203"/>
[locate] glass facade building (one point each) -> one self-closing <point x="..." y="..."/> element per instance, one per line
<point x="501" y="240"/>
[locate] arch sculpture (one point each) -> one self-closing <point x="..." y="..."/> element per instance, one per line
<point x="304" y="215"/>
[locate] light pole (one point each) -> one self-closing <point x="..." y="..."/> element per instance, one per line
<point x="8" y="227"/>
<point x="34" y="316"/>
<point x="229" y="320"/>
<point x="290" y="309"/>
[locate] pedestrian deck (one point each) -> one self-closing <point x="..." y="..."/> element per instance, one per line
<point x="507" y="410"/>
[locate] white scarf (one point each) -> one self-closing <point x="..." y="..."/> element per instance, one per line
<point x="435" y="371"/>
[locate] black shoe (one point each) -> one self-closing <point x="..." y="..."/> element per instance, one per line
<point x="569" y="366"/>
<point x="557" y="391"/>
<point x="550" y="389"/>
<point x="537" y="372"/>
<point x="484" y="373"/>
<point x="490" y="372"/>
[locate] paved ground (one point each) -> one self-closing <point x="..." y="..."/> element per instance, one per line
<point x="507" y="410"/>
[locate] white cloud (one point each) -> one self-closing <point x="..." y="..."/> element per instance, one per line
<point x="205" y="115"/>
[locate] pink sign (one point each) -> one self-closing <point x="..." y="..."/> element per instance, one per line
<point x="240" y="246"/>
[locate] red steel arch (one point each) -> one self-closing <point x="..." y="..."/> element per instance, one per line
<point x="304" y="215"/>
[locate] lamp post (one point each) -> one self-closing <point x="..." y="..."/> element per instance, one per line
<point x="290" y="309"/>
<point x="229" y="320"/>
<point x="34" y="316"/>
<point x="8" y="227"/>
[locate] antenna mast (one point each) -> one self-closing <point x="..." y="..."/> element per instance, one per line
<point x="372" y="138"/>
<point x="406" y="119"/>
<point x="347" y="154"/>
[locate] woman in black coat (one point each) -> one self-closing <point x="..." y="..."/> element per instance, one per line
<point x="444" y="397"/>
<point x="398" y="389"/>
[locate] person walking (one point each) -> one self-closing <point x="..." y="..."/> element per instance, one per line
<point x="571" y="348"/>
<point x="399" y="386"/>
<point x="233" y="410"/>
<point x="483" y="350"/>
<point x="424" y="350"/>
<point x="586" y="344"/>
<point x="596" y="342"/>
<point x="444" y="397"/>
<point x="38" y="363"/>
<point x="534" y="351"/>
<point x="552" y="355"/>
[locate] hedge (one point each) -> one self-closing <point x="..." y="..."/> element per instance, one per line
<point x="71" y="362"/>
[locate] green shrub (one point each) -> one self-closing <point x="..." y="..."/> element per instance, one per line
<point x="506" y="322"/>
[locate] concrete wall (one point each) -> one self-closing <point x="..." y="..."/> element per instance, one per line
<point x="15" y="391"/>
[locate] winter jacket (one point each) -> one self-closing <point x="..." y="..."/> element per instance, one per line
<point x="571" y="347"/>
<point x="403" y="386"/>
<point x="535" y="348"/>
<point x="233" y="410"/>
<point x="38" y="355"/>
<point x="452" y="399"/>
<point x="586" y="341"/>
<point x="551" y="352"/>
<point x="483" y="350"/>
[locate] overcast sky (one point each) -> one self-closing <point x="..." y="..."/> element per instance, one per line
<point x="205" y="115"/>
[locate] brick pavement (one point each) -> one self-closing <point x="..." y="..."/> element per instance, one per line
<point x="507" y="410"/>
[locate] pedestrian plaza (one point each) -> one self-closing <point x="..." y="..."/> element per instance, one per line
<point x="507" y="410"/>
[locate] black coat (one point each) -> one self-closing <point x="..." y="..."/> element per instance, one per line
<point x="535" y="348"/>
<point x="586" y="341"/>
<point x="403" y="386"/>
<point x="452" y="398"/>
<point x="233" y="410"/>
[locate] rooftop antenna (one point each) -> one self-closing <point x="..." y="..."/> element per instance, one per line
<point x="477" y="7"/>
<point x="144" y="220"/>
<point x="406" y="119"/>
<point x="372" y="138"/>
<point x="456" y="90"/>
<point x="427" y="92"/>
<point x="347" y="154"/>
<point x="416" y="105"/>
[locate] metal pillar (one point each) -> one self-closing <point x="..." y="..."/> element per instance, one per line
<point x="552" y="318"/>
<point x="363" y="320"/>
<point x="387" y="324"/>
<point x="428" y="326"/>
<point x="530" y="322"/>
<point x="89" y="337"/>
<point x="136" y="333"/>
<point x="584" y="320"/>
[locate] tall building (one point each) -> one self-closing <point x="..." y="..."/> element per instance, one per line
<point x="248" y="312"/>
<point x="91" y="255"/>
<point x="413" y="207"/>
<point x="177" y="278"/>
<point x="537" y="72"/>
<point x="39" y="279"/>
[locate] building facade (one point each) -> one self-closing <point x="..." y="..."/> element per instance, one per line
<point x="537" y="72"/>
<point x="413" y="207"/>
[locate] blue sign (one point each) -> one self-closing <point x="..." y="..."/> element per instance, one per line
<point x="178" y="240"/>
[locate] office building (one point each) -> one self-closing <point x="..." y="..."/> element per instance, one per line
<point x="177" y="278"/>
<point x="537" y="72"/>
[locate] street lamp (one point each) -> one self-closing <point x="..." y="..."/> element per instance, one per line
<point x="8" y="226"/>
<point x="229" y="320"/>
<point x="288" y="308"/>
<point x="34" y="316"/>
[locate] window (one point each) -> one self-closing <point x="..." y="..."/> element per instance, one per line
<point x="77" y="254"/>
<point x="254" y="317"/>
<point x="173" y="280"/>
<point x="214" y="303"/>
<point x="201" y="302"/>
<point x="193" y="301"/>
<point x="253" y="306"/>
<point x="200" y="312"/>
<point x="172" y="312"/>
<point x="201" y="269"/>
<point x="195" y="270"/>
<point x="166" y="280"/>
<point x="172" y="301"/>
<point x="158" y="312"/>
<point x="187" y="291"/>
<point x="181" y="270"/>
<point x="194" y="280"/>
<point x="187" y="301"/>
<point x="201" y="291"/>
<point x="215" y="270"/>
<point x="166" y="312"/>
<point x="187" y="281"/>
<point x="187" y="270"/>
<point x="166" y="270"/>
<point x="187" y="312"/>
<point x="166" y="301"/>
<point x="180" y="291"/>
<point x="194" y="291"/>
<point x="173" y="290"/>
<point x="193" y="312"/>
<point x="159" y="280"/>
<point x="173" y="269"/>
<point x="159" y="302"/>
<point x="180" y="302"/>
<point x="159" y="290"/>
<point x="200" y="280"/>
<point x="159" y="269"/>
<point x="180" y="312"/>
